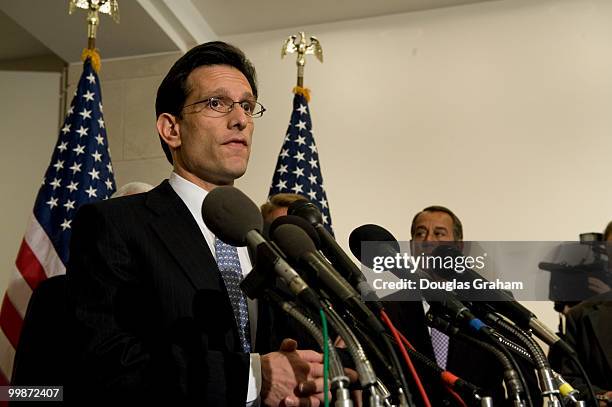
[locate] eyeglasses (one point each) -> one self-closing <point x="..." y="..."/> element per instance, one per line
<point x="225" y="105"/>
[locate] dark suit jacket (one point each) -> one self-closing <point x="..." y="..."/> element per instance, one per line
<point x="135" y="268"/>
<point x="589" y="332"/>
<point x="464" y="360"/>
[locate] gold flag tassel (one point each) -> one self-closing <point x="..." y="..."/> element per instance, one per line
<point x="298" y="90"/>
<point x="94" y="56"/>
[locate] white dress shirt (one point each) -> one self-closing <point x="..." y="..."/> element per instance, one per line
<point x="193" y="196"/>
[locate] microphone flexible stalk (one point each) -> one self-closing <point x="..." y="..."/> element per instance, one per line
<point x="513" y="377"/>
<point x="367" y="377"/>
<point x="339" y="381"/>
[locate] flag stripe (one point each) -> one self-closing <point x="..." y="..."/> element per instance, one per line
<point x="19" y="292"/>
<point x="10" y="321"/>
<point x="7" y="356"/>
<point x="43" y="249"/>
<point x="29" y="267"/>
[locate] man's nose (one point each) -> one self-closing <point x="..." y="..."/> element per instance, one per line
<point x="238" y="118"/>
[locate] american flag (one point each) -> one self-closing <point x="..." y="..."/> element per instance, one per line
<point x="80" y="172"/>
<point x="298" y="169"/>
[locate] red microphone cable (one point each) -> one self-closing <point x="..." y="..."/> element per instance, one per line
<point x="396" y="334"/>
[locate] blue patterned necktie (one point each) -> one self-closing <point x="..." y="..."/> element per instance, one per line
<point x="439" y="341"/>
<point x="229" y="266"/>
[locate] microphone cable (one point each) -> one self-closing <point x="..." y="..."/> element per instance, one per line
<point x="396" y="334"/>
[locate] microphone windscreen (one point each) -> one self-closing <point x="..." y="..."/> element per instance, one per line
<point x="447" y="249"/>
<point x="299" y="222"/>
<point x="293" y="241"/>
<point x="230" y="215"/>
<point x="384" y="243"/>
<point x="307" y="210"/>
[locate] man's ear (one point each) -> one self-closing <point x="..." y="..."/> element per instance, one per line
<point x="169" y="130"/>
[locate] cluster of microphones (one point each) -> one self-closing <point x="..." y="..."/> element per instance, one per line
<point x="329" y="288"/>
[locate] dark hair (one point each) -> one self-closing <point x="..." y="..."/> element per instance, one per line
<point x="283" y="200"/>
<point x="173" y="90"/>
<point x="457" y="226"/>
<point x="608" y="231"/>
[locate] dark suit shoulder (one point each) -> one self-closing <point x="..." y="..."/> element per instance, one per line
<point x="593" y="304"/>
<point x="126" y="211"/>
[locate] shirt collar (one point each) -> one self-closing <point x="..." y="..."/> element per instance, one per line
<point x="193" y="196"/>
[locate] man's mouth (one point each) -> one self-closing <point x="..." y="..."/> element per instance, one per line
<point x="236" y="142"/>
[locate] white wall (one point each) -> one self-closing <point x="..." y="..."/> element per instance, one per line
<point x="499" y="110"/>
<point x="29" y="113"/>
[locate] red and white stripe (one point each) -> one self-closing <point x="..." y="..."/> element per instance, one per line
<point x="36" y="261"/>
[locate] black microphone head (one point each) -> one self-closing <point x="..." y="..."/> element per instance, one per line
<point x="307" y="210"/>
<point x="447" y="249"/>
<point x="293" y="241"/>
<point x="230" y="215"/>
<point x="384" y="243"/>
<point x="299" y="222"/>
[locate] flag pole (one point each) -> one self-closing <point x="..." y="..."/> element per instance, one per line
<point x="94" y="8"/>
<point x="293" y="44"/>
<point x="298" y="169"/>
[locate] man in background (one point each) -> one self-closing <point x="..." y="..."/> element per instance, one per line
<point x="277" y="206"/>
<point x="588" y="330"/>
<point x="131" y="188"/>
<point x="430" y="226"/>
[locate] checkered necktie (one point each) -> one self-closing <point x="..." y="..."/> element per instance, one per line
<point x="439" y="341"/>
<point x="229" y="266"/>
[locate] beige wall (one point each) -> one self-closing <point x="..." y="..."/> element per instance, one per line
<point x="498" y="110"/>
<point x="29" y="111"/>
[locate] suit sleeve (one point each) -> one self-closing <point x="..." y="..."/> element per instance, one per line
<point x="120" y="351"/>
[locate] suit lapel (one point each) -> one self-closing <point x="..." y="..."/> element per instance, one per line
<point x="182" y="236"/>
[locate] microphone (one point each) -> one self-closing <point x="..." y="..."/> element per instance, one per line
<point x="382" y="241"/>
<point x="234" y="218"/>
<point x="301" y="223"/>
<point x="298" y="246"/>
<point x="385" y="244"/>
<point x="505" y="304"/>
<point x="330" y="248"/>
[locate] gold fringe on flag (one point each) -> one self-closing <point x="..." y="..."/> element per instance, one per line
<point x="95" y="58"/>
<point x="298" y="90"/>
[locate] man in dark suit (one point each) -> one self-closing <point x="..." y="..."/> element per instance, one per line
<point x="440" y="224"/>
<point x="159" y="314"/>
<point x="589" y="331"/>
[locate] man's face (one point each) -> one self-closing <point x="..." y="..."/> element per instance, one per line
<point x="214" y="147"/>
<point x="276" y="213"/>
<point x="433" y="227"/>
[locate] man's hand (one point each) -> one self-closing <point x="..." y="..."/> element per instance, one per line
<point x="604" y="399"/>
<point x="598" y="286"/>
<point x="292" y="377"/>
